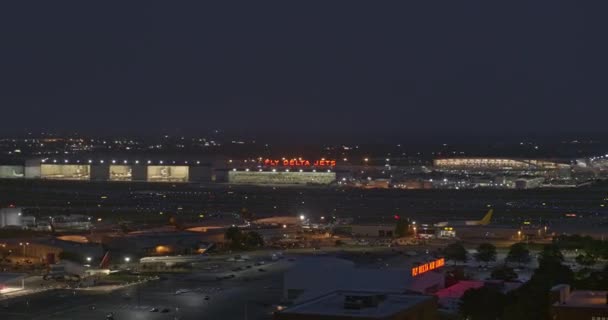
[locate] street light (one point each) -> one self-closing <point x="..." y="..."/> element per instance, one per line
<point x="89" y="259"/>
<point x="127" y="259"/>
<point x="24" y="246"/>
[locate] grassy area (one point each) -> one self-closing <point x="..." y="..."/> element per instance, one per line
<point x="123" y="277"/>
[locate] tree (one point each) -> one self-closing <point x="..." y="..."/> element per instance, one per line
<point x="529" y="302"/>
<point x="519" y="253"/>
<point x="595" y="280"/>
<point x="550" y="268"/>
<point x="402" y="228"/>
<point x="253" y="240"/>
<point x="453" y="275"/>
<point x="235" y="237"/>
<point x="504" y="273"/>
<point x="456" y="252"/>
<point x="586" y="259"/>
<point x="550" y="255"/>
<point x="233" y="234"/>
<point x="486" y="252"/>
<point x="482" y="303"/>
<point x="239" y="240"/>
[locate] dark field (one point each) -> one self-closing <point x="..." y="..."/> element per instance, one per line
<point x="143" y="202"/>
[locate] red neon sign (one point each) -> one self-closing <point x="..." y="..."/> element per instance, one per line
<point x="300" y="163"/>
<point x="416" y="271"/>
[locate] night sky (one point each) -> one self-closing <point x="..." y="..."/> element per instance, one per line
<point x="308" y="68"/>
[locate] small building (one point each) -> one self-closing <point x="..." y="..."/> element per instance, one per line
<point x="578" y="304"/>
<point x="342" y="305"/>
<point x="42" y="248"/>
<point x="10" y="282"/>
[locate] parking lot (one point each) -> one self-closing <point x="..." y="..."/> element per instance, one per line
<point x="204" y="294"/>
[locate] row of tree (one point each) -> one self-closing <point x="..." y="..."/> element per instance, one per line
<point x="591" y="251"/>
<point x="486" y="253"/>
<point x="531" y="300"/>
<point x="239" y="240"/>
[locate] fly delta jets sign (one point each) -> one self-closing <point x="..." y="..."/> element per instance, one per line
<point x="299" y="163"/>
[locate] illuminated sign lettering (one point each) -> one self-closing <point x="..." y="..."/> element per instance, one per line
<point x="418" y="270"/>
<point x="300" y="163"/>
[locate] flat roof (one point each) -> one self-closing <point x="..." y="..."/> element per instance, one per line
<point x="587" y="298"/>
<point x="333" y="304"/>
<point x="457" y="290"/>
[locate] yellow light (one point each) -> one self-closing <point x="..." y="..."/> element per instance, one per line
<point x="162" y="249"/>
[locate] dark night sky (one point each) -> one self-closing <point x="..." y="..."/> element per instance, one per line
<point x="313" y="68"/>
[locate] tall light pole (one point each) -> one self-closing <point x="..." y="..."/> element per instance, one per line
<point x="24" y="245"/>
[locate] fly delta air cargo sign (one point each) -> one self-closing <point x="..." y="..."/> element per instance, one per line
<point x="426" y="267"/>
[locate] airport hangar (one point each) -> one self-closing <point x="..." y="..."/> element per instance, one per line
<point x="183" y="170"/>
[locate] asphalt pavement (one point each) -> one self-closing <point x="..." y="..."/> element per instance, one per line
<point x="252" y="294"/>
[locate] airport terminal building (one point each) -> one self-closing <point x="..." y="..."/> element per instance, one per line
<point x="196" y="170"/>
<point x="499" y="164"/>
<point x="104" y="169"/>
